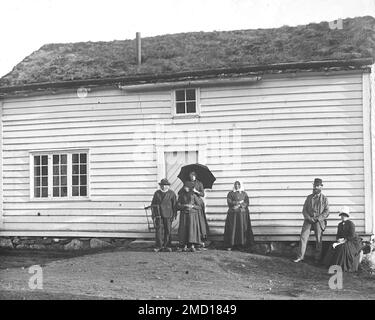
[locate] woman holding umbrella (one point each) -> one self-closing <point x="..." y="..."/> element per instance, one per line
<point x="238" y="231"/>
<point x="191" y="173"/>
<point x="199" y="191"/>
<point x="189" y="205"/>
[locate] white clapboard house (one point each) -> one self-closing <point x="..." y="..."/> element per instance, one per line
<point x="88" y="129"/>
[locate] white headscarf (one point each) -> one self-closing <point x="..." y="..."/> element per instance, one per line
<point x="242" y="188"/>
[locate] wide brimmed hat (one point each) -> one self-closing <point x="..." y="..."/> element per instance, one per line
<point x="344" y="211"/>
<point x="318" y="182"/>
<point x="164" y="182"/>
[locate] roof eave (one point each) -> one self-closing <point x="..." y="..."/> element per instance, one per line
<point x="148" y="78"/>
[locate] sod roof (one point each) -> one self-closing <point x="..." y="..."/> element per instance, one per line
<point x="192" y="51"/>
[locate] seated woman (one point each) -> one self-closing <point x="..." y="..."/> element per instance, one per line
<point x="238" y="231"/>
<point x="345" y="252"/>
<point x="189" y="229"/>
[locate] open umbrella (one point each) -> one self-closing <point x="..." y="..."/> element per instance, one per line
<point x="204" y="174"/>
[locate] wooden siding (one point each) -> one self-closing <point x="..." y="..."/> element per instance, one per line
<point x="276" y="136"/>
<point x="372" y="137"/>
<point x="1" y="168"/>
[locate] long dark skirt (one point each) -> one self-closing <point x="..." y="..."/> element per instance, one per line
<point x="189" y="229"/>
<point x="238" y="231"/>
<point x="203" y="225"/>
<point x="346" y="255"/>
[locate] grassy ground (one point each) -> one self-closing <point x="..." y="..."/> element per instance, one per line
<point x="139" y="273"/>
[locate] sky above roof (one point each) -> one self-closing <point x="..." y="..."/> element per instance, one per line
<point x="27" y="25"/>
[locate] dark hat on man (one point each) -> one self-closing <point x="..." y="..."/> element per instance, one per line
<point x="318" y="182"/>
<point x="164" y="182"/>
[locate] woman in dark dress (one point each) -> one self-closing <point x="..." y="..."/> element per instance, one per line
<point x="345" y="252"/>
<point x="199" y="192"/>
<point x="238" y="231"/>
<point x="189" y="229"/>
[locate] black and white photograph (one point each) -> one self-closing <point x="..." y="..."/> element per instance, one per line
<point x="198" y="152"/>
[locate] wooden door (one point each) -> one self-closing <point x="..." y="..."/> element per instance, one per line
<point x="173" y="163"/>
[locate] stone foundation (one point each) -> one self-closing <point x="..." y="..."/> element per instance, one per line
<point x="368" y="263"/>
<point x="288" y="249"/>
<point x="47" y="243"/>
<point x="368" y="258"/>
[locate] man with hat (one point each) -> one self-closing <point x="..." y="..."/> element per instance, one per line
<point x="164" y="210"/>
<point x="315" y="212"/>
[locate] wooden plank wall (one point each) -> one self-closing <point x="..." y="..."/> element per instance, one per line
<point x="370" y="225"/>
<point x="276" y="135"/>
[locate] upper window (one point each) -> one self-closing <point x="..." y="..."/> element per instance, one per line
<point x="186" y="102"/>
<point x="60" y="175"/>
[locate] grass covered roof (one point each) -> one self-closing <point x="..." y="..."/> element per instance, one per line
<point x="185" y="52"/>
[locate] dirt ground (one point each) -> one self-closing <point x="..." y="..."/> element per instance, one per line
<point x="139" y="273"/>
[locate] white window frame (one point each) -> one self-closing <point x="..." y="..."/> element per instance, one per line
<point x="50" y="153"/>
<point x="186" y="115"/>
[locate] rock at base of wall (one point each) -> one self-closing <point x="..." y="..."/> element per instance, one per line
<point x="37" y="246"/>
<point x="54" y="247"/>
<point x="121" y="242"/>
<point x="61" y="241"/>
<point x="283" y="249"/>
<point x="368" y="262"/>
<point x="98" y="243"/>
<point x="16" y="241"/>
<point x="45" y="241"/>
<point x="22" y="246"/>
<point x="75" y="244"/>
<point x="6" y="243"/>
<point x="262" y="248"/>
<point x="142" y="244"/>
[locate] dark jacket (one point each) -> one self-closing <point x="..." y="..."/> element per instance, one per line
<point x="197" y="186"/>
<point x="234" y="198"/>
<point x="188" y="198"/>
<point x="346" y="230"/>
<point x="167" y="203"/>
<point x="317" y="213"/>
